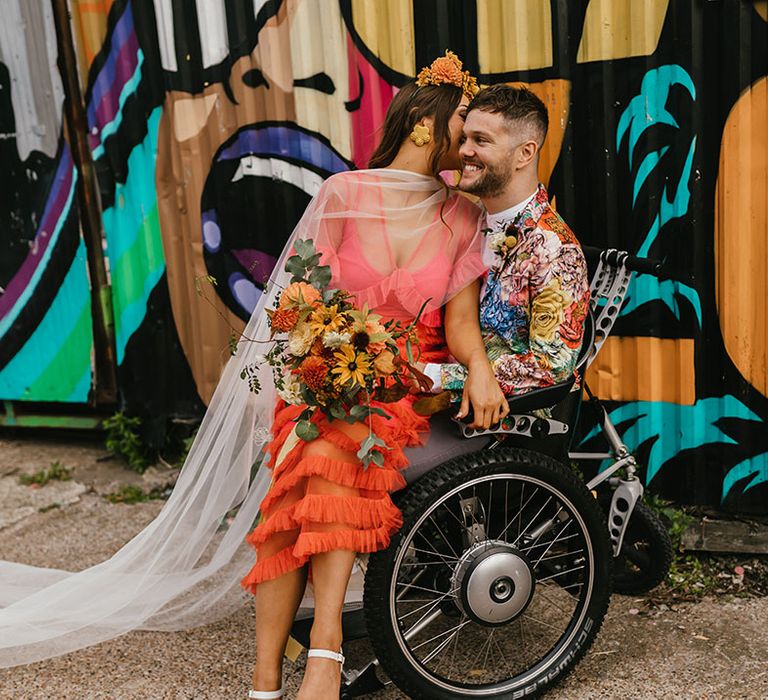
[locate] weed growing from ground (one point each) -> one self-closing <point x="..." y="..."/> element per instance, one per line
<point x="123" y="440"/>
<point x="56" y="472"/>
<point x="132" y="494"/>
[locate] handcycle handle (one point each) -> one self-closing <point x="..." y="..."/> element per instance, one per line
<point x="632" y="262"/>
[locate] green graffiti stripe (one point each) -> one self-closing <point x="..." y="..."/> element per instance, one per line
<point x="134" y="276"/>
<point x="134" y="243"/>
<point x="75" y="351"/>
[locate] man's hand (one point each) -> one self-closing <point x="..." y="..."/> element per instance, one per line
<point x="482" y="391"/>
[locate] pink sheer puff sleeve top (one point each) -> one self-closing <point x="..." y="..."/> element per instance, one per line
<point x="397" y="240"/>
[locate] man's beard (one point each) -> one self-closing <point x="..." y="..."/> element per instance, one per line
<point x="491" y="183"/>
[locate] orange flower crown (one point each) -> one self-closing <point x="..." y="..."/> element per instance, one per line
<point x="447" y="70"/>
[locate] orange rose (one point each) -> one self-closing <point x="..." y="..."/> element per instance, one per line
<point x="297" y="293"/>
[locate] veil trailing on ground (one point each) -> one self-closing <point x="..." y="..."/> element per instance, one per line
<point x="184" y="568"/>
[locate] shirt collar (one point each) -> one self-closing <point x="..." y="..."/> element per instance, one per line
<point x="501" y="219"/>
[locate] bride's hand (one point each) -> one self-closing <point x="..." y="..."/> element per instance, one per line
<point x="418" y="385"/>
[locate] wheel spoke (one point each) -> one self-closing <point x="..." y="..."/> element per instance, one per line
<point x="434" y="553"/>
<point x="431" y="602"/>
<point x="445" y="539"/>
<point x="541" y="622"/>
<point x="561" y="573"/>
<point x="453" y="515"/>
<point x="541" y="544"/>
<point x="551" y="544"/>
<point x="519" y="516"/>
<point x="540" y="591"/>
<point x="438" y="636"/>
<point x="533" y="520"/>
<point x="422" y="588"/>
<point x="488" y="515"/>
<point x="562" y="554"/>
<point x="425" y="621"/>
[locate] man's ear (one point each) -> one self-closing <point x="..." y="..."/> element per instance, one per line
<point x="528" y="152"/>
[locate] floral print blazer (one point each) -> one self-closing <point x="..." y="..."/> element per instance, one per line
<point x="534" y="305"/>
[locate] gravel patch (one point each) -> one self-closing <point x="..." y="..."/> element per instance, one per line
<point x="714" y="648"/>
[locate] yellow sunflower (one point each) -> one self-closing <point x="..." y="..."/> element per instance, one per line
<point x="325" y="319"/>
<point x="351" y="367"/>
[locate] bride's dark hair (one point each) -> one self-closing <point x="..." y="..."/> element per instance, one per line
<point x="411" y="104"/>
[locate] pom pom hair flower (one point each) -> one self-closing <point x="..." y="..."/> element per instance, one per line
<point x="447" y="70"/>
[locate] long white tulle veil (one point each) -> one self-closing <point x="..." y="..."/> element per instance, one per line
<point x="185" y="567"/>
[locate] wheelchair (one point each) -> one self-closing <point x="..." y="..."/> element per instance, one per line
<point x="499" y="579"/>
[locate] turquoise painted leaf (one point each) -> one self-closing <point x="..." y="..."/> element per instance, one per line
<point x="675" y="427"/>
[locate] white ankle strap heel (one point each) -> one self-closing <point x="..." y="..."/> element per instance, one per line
<point x="327" y="654"/>
<point x="265" y="694"/>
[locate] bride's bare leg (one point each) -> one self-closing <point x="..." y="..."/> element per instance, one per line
<point x="330" y="576"/>
<point x="276" y="604"/>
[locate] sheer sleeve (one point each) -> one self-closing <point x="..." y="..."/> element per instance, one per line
<point x="466" y="227"/>
<point x="324" y="220"/>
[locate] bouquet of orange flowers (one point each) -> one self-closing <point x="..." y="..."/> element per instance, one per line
<point x="331" y="356"/>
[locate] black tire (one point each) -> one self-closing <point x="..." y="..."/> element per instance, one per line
<point x="646" y="553"/>
<point x="588" y="551"/>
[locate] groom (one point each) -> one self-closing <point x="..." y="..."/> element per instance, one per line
<point x="535" y="298"/>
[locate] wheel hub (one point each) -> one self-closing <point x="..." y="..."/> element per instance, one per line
<point x="494" y="583"/>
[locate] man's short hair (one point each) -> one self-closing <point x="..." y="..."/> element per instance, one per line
<point x="518" y="105"/>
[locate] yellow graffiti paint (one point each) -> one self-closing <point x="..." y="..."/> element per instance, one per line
<point x="555" y="94"/>
<point x="741" y="235"/>
<point x="386" y="28"/>
<point x="645" y="369"/>
<point x="89" y="20"/>
<point x="621" y="28"/>
<point x="514" y="35"/>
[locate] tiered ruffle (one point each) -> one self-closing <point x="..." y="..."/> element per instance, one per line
<point x="308" y="523"/>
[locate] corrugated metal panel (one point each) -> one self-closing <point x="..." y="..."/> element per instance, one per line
<point x="212" y="122"/>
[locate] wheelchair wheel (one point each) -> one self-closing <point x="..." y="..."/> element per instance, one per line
<point x="496" y="584"/>
<point x="646" y="553"/>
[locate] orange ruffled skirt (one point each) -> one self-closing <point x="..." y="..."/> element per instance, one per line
<point x="321" y="497"/>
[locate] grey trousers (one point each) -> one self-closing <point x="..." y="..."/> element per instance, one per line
<point x="444" y="442"/>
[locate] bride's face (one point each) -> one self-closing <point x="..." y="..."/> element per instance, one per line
<point x="452" y="160"/>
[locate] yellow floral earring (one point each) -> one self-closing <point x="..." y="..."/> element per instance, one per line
<point x="420" y="134"/>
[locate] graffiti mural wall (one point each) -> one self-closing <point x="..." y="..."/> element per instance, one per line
<point x="212" y="123"/>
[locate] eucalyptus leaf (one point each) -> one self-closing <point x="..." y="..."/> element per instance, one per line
<point x="304" y="248"/>
<point x="337" y="411"/>
<point x="295" y="266"/>
<point x="320" y="276"/>
<point x="306" y="431"/>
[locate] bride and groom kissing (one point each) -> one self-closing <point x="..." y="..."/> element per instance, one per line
<point x="504" y="288"/>
<point x="497" y="294"/>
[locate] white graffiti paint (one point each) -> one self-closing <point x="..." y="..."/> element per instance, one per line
<point x="28" y="50"/>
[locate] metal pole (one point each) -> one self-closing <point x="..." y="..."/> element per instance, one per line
<point x="105" y="376"/>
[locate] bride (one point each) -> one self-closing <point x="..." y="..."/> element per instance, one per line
<point x="395" y="237"/>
